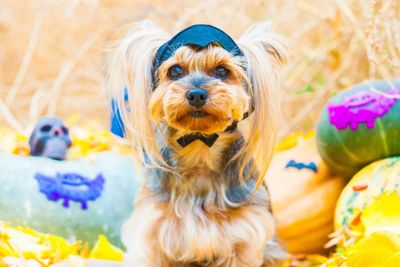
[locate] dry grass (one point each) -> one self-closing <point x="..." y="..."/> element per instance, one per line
<point x="51" y="51"/>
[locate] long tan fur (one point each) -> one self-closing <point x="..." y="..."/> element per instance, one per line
<point x="266" y="57"/>
<point x="130" y="67"/>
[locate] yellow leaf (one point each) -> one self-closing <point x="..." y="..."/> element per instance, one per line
<point x="288" y="142"/>
<point x="6" y="250"/>
<point x="58" y="247"/>
<point x="21" y="241"/>
<point x="380" y="249"/>
<point x="103" y="250"/>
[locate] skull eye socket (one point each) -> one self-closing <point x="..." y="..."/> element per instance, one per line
<point x="45" y="128"/>
<point x="64" y="129"/>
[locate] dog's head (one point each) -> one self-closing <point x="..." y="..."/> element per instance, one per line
<point x="200" y="90"/>
<point x="193" y="85"/>
<point x="200" y="82"/>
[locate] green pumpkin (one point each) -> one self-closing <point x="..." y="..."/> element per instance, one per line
<point x="360" y="125"/>
<point x="76" y="199"/>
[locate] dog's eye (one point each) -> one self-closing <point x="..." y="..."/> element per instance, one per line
<point x="221" y="72"/>
<point x="176" y="72"/>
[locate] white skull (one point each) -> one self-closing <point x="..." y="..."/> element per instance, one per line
<point x="50" y="139"/>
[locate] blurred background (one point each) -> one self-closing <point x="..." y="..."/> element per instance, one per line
<point x="53" y="52"/>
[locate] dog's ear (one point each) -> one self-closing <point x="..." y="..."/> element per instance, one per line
<point x="266" y="57"/>
<point x="130" y="70"/>
<point x="259" y="39"/>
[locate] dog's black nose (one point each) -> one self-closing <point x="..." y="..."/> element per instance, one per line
<point x="197" y="97"/>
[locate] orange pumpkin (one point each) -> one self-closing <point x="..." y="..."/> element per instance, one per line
<point x="303" y="194"/>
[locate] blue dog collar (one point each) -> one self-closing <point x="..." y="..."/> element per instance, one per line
<point x="200" y="35"/>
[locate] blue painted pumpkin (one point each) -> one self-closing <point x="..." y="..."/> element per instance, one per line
<point x="76" y="199"/>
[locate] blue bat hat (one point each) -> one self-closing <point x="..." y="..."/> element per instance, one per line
<point x="200" y="35"/>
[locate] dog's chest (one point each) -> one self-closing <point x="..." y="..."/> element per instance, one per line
<point x="206" y="213"/>
<point x="194" y="234"/>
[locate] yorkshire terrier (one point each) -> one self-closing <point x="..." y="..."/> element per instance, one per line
<point x="201" y="117"/>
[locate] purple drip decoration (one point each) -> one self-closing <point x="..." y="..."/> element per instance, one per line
<point x="363" y="107"/>
<point x="70" y="187"/>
